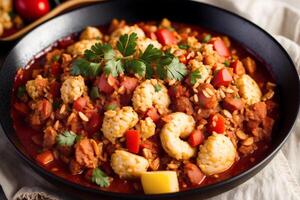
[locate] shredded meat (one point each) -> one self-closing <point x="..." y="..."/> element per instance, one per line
<point x="231" y="103"/>
<point x="85" y="154"/>
<point x="183" y="104"/>
<point x="49" y="137"/>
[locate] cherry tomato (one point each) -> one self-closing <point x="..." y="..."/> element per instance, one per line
<point x="165" y="37"/>
<point x="220" y="47"/>
<point x="32" y="9"/>
<point x="216" y="124"/>
<point x="196" y="138"/>
<point x="80" y="103"/>
<point x="133" y="141"/>
<point x="222" y="77"/>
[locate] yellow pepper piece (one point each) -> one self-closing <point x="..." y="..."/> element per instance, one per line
<point x="158" y="182"/>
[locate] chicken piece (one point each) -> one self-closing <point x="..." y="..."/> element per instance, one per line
<point x="91" y="33"/>
<point x="146" y="128"/>
<point x="49" y="137"/>
<point x="78" y="48"/>
<point x="72" y="88"/>
<point x="36" y="88"/>
<point x="116" y="123"/>
<point x="216" y="155"/>
<point x="86" y="153"/>
<point x="248" y="89"/>
<point x="128" y="165"/>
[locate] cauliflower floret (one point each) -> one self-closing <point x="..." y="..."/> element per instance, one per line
<point x="79" y="47"/>
<point x="180" y="126"/>
<point x="216" y="155"/>
<point x="91" y="33"/>
<point x="128" y="165"/>
<point x="151" y="93"/>
<point x="72" y="88"/>
<point x="142" y="44"/>
<point x="116" y="123"/>
<point x="146" y="127"/>
<point x="36" y="88"/>
<point x="126" y="30"/>
<point x="248" y="89"/>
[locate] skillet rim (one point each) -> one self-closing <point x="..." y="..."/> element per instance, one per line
<point x="235" y="180"/>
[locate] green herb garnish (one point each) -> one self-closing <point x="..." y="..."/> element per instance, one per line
<point x="55" y="58"/>
<point x="94" y="93"/>
<point x="157" y="88"/>
<point x="170" y="68"/>
<point x="206" y="38"/>
<point x="184" y="46"/>
<point x="127" y="43"/>
<point x="111" y="107"/>
<point x="226" y="63"/>
<point x="85" y="68"/>
<point x="136" y="67"/>
<point x="195" y="75"/>
<point x="100" y="178"/>
<point x="67" y="138"/>
<point x="21" y="91"/>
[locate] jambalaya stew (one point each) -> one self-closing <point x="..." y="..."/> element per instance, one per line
<point x="151" y="107"/>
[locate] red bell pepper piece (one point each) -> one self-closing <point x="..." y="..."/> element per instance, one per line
<point x="216" y="124"/>
<point x="133" y="141"/>
<point x="165" y="37"/>
<point x="222" y="77"/>
<point x="80" y="103"/>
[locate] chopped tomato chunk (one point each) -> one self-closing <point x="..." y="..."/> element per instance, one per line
<point x="45" y="158"/>
<point x="196" y="138"/>
<point x="133" y="141"/>
<point x="153" y="114"/>
<point x="222" y="77"/>
<point x="106" y="84"/>
<point x="80" y="103"/>
<point x="220" y="47"/>
<point x="216" y="124"/>
<point x="165" y="37"/>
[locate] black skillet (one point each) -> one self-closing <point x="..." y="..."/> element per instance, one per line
<point x="248" y="34"/>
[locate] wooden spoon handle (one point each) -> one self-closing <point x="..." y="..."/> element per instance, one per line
<point x="56" y="11"/>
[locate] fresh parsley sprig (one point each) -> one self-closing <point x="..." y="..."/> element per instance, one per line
<point x="100" y="178"/>
<point x="195" y="75"/>
<point x="127" y="43"/>
<point x="67" y="138"/>
<point x="170" y="68"/>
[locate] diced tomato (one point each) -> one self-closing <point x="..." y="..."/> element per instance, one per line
<point x="216" y="124"/>
<point x="129" y="83"/>
<point x="55" y="68"/>
<point x="21" y="107"/>
<point x="133" y="141"/>
<point x="194" y="174"/>
<point x="165" y="37"/>
<point x="45" y="157"/>
<point x="153" y="114"/>
<point x="222" y="77"/>
<point x="55" y="89"/>
<point x="238" y="67"/>
<point x="103" y="84"/>
<point x="47" y="109"/>
<point x="80" y="103"/>
<point x="196" y="138"/>
<point x="220" y="47"/>
<point x="94" y="123"/>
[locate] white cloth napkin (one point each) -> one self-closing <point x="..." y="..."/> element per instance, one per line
<point x="279" y="180"/>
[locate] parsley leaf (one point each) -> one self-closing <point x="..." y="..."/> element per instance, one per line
<point x="21" y="91"/>
<point x="151" y="54"/>
<point x="183" y="46"/>
<point x="127" y="43"/>
<point x="85" y="68"/>
<point x="206" y="38"/>
<point x="113" y="67"/>
<point x="66" y="138"/>
<point x="136" y="67"/>
<point x="100" y="178"/>
<point x="226" y="63"/>
<point x="111" y="106"/>
<point x="98" y="52"/>
<point x="169" y="67"/>
<point x="157" y="88"/>
<point x="195" y="75"/>
<point x="94" y="93"/>
<point x="55" y="58"/>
